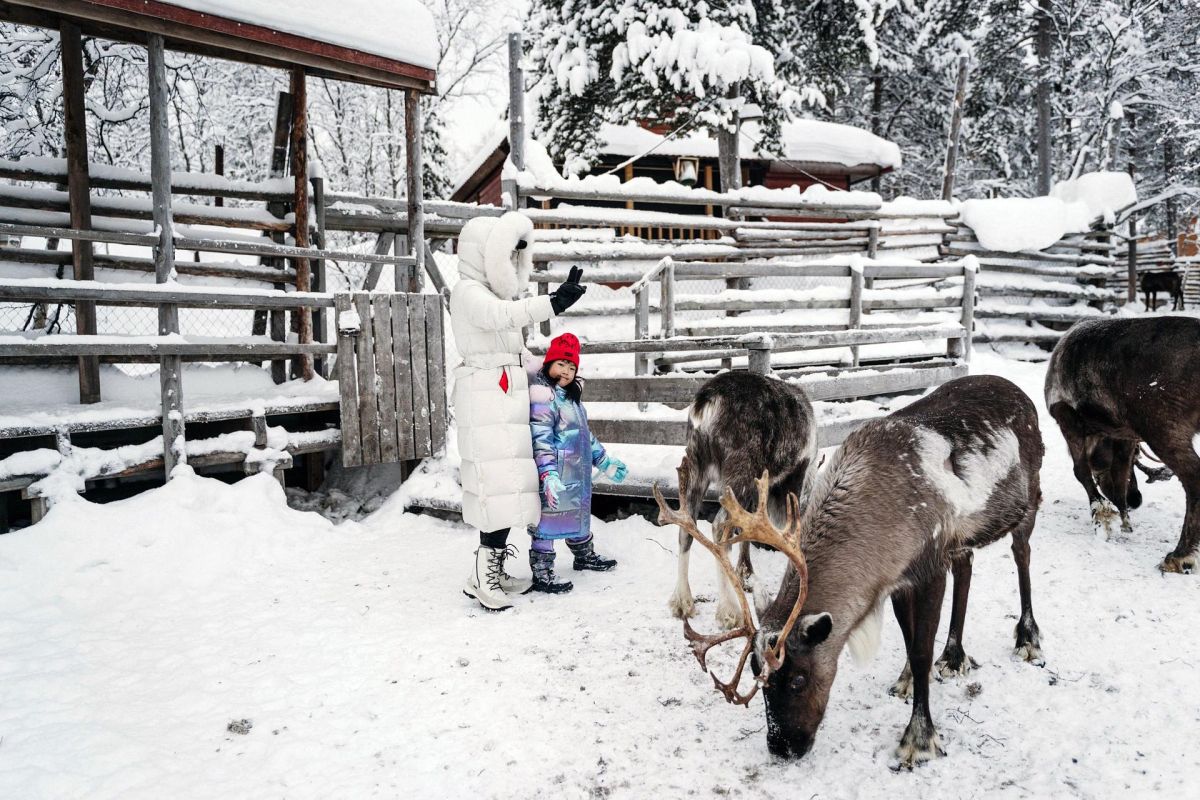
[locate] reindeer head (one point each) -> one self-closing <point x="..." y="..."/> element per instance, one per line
<point x="783" y="657"/>
<point x="798" y="691"/>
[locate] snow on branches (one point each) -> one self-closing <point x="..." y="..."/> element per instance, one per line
<point x="670" y="62"/>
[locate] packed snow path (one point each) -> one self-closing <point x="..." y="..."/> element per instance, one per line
<point x="134" y="633"/>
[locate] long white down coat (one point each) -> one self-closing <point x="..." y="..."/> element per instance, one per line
<point x="491" y="389"/>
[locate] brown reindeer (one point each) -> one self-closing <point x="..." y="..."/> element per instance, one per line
<point x="1112" y="383"/>
<point x="739" y="425"/>
<point x="906" y="497"/>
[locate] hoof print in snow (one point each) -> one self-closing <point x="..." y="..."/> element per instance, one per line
<point x="240" y="726"/>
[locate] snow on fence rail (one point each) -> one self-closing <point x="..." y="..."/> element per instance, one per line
<point x="833" y="363"/>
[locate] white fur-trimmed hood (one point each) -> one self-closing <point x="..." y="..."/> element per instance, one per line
<point x="487" y="252"/>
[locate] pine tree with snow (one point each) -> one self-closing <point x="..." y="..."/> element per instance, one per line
<point x="672" y="62"/>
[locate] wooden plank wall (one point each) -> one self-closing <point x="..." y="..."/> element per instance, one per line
<point x="392" y="374"/>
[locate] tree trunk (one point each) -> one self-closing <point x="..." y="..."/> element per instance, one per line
<point x="1044" y="29"/>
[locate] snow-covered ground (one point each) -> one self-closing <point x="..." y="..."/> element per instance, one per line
<point x="135" y="633"/>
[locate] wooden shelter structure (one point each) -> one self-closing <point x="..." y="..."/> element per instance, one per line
<point x="271" y="34"/>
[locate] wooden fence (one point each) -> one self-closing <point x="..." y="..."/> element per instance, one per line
<point x="391" y="377"/>
<point x="1032" y="297"/>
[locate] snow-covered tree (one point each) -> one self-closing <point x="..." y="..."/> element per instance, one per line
<point x="672" y="62"/>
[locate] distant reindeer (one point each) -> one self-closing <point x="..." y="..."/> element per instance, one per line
<point x="906" y="497"/>
<point x="740" y="424"/>
<point x="1169" y="282"/>
<point x="1112" y="383"/>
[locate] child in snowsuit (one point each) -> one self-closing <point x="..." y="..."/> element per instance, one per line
<point x="565" y="452"/>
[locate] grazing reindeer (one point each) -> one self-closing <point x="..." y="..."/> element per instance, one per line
<point x="1112" y="383"/>
<point x="739" y="425"/>
<point x="902" y="499"/>
<point x="1169" y="282"/>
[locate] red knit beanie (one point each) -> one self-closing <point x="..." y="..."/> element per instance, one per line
<point x="563" y="348"/>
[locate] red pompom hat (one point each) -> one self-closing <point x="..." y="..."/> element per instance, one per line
<point x="563" y="348"/>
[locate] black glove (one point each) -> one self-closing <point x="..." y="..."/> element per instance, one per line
<point x="567" y="293"/>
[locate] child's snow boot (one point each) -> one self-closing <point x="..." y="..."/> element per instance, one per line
<point x="544" y="579"/>
<point x="484" y="583"/>
<point x="511" y="584"/>
<point x="586" y="557"/>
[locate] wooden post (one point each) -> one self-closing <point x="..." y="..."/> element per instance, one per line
<point x="299" y="149"/>
<point x="760" y="357"/>
<point x="728" y="158"/>
<point x="1044" y="29"/>
<point x="75" y="130"/>
<point x="170" y="368"/>
<point x="1131" y="270"/>
<point x="854" y="322"/>
<point x="516" y="118"/>
<point x="667" y="312"/>
<point x="319" y="282"/>
<point x="219" y="168"/>
<point x="416" y="189"/>
<point x="960" y="96"/>
<point x="641" y="328"/>
<point x="279" y="161"/>
<point x="961" y="348"/>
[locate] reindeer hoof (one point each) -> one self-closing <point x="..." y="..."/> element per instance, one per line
<point x="952" y="665"/>
<point x="920" y="743"/>
<point x="728" y="617"/>
<point x="1180" y="565"/>
<point x="1126" y="525"/>
<point x="902" y="688"/>
<point x="682" y="605"/>
<point x="1103" y="517"/>
<point x="1030" y="653"/>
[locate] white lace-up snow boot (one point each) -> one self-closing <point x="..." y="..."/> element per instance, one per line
<point x="484" y="583"/>
<point x="511" y="584"/>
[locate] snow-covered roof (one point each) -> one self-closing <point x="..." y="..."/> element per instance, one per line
<point x="401" y="30"/>
<point x="805" y="140"/>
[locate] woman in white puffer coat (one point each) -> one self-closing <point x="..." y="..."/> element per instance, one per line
<point x="491" y="391"/>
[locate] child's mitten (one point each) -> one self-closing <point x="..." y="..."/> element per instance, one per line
<point x="614" y="468"/>
<point x="552" y="487"/>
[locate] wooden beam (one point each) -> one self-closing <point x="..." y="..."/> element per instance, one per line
<point x="416" y="190"/>
<point x="75" y="129"/>
<point x="299" y="92"/>
<point x="210" y="34"/>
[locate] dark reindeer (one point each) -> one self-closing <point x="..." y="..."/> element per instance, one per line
<point x="1113" y="383"/>
<point x="906" y="497"/>
<point x="1169" y="282"/>
<point x="740" y="424"/>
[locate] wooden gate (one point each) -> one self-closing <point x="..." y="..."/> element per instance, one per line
<point x="392" y="374"/>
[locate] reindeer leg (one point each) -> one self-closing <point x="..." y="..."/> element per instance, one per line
<point x="902" y="607"/>
<point x="921" y="741"/>
<point x="1028" y="637"/>
<point x="750" y="582"/>
<point x="1185" y="463"/>
<point x="681" y="603"/>
<point x="954" y="660"/>
<point x="729" y="611"/>
<point x="1073" y="432"/>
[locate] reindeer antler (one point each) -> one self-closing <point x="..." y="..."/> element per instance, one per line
<point x="752" y="527"/>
